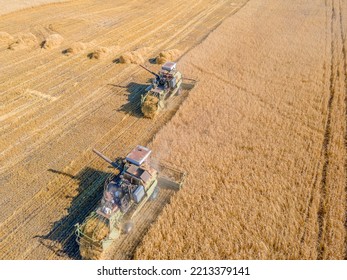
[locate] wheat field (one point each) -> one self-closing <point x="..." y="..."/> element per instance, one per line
<point x="262" y="134"/>
<point x="263" y="137"/>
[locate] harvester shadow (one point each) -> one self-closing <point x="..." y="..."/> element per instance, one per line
<point x="61" y="239"/>
<point x="134" y="92"/>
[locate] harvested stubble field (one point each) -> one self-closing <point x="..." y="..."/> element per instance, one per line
<point x="263" y="137"/>
<point x="8" y="6"/>
<point x="58" y="103"/>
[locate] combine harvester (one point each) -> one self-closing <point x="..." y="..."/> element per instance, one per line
<point x="166" y="84"/>
<point x="134" y="182"/>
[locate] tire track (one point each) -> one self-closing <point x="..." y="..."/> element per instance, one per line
<point x="317" y="180"/>
<point x="337" y="91"/>
<point x="344" y="57"/>
<point x="327" y="137"/>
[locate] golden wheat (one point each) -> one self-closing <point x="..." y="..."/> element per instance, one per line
<point x="262" y="137"/>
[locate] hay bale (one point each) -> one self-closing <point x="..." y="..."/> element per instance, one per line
<point x="103" y="52"/>
<point x="23" y="41"/>
<point x="96" y="228"/>
<point x="131" y="58"/>
<point x="150" y="106"/>
<point x="100" y="53"/>
<point x="53" y="41"/>
<point x="75" y="48"/>
<point x="5" y="37"/>
<point x="134" y="57"/>
<point x="168" y="55"/>
<point x="17" y="45"/>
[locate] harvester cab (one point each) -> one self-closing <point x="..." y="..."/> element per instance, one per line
<point x="165" y="84"/>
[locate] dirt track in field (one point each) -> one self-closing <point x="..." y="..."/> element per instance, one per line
<point x="55" y="107"/>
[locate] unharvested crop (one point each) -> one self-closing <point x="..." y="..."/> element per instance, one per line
<point x="263" y="138"/>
